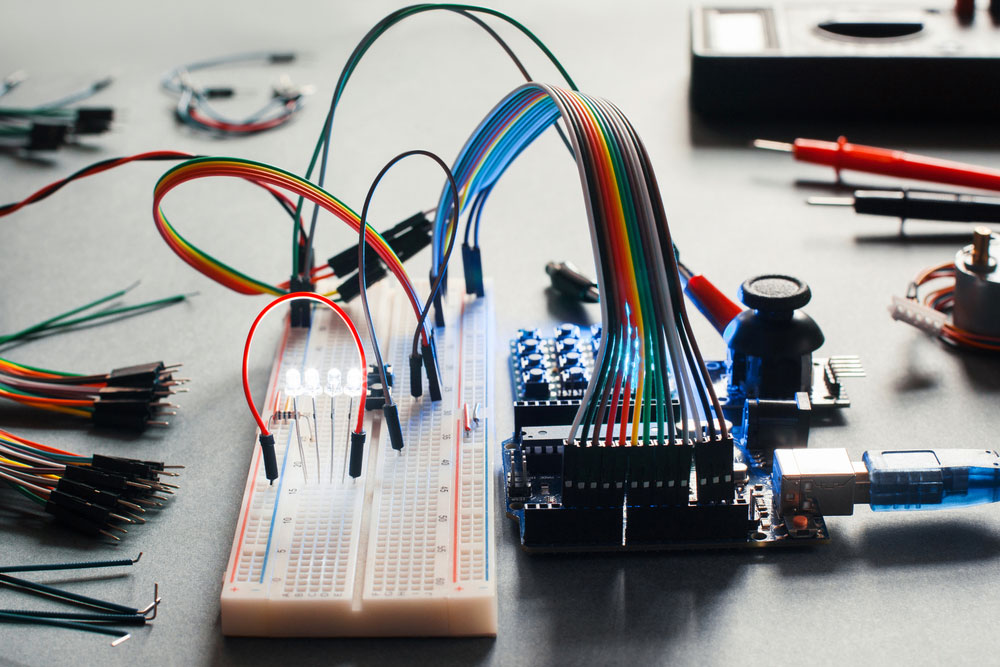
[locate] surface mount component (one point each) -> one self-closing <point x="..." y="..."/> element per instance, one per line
<point x="408" y="547"/>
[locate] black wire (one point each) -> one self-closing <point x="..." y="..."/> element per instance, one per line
<point x="363" y="244"/>
<point x="193" y="97"/>
<point x="287" y="206"/>
<point x="55" y="187"/>
<point x="517" y="63"/>
<point x="359" y="50"/>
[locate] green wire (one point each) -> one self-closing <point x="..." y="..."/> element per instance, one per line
<point x="372" y="232"/>
<point x="360" y="51"/>
<point x="54" y="323"/>
<point x="652" y="362"/>
<point x="65" y="458"/>
<point x="25" y="492"/>
<point x="46" y="323"/>
<point x="39" y="111"/>
<point x="27" y="394"/>
<point x="41" y="370"/>
<point x="158" y="303"/>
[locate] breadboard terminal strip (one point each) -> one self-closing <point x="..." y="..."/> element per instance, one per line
<point x="406" y="549"/>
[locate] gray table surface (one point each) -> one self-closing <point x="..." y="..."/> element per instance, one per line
<point x="891" y="588"/>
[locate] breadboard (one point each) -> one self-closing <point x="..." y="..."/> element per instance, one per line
<point x="406" y="549"/>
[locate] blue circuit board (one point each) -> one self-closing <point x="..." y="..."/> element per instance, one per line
<point x="549" y="375"/>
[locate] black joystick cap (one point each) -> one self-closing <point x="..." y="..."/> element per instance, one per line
<point x="774" y="293"/>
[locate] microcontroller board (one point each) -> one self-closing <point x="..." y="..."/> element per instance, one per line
<point x="655" y="504"/>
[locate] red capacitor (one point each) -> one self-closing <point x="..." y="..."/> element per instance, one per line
<point x="843" y="155"/>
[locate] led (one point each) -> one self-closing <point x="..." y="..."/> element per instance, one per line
<point x="312" y="382"/>
<point x="353" y="384"/>
<point x="293" y="383"/>
<point x="333" y="385"/>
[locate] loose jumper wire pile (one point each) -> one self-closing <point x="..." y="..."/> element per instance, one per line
<point x="194" y="110"/>
<point x="53" y="124"/>
<point x="128" y="397"/>
<point x="93" y="495"/>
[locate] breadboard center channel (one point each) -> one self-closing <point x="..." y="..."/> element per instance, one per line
<point x="407" y="548"/>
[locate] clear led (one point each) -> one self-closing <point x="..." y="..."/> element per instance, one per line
<point x="293" y="383"/>
<point x="312" y="386"/>
<point x="333" y="383"/>
<point x="353" y="385"/>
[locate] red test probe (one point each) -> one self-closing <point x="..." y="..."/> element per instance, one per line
<point x="843" y="155"/>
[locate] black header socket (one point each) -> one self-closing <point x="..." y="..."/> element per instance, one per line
<point x="416" y="383"/>
<point x="301" y="316"/>
<point x="357" y="454"/>
<point x="472" y="262"/>
<point x="429" y="354"/>
<point x="270" y="459"/>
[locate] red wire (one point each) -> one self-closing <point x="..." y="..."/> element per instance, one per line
<point x="393" y="263"/>
<point x="295" y="296"/>
<point x="235" y="127"/>
<point x="38" y="445"/>
<point x="314" y="274"/>
<point x="90" y="172"/>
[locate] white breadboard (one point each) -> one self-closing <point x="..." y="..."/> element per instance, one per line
<point x="406" y="549"/>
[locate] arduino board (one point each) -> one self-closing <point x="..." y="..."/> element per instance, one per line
<point x="644" y="497"/>
<point x="407" y="548"/>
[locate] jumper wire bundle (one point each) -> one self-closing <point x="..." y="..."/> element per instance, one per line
<point x="93" y="495"/>
<point x="130" y="397"/>
<point x="194" y="110"/>
<point x="47" y="127"/>
<point x="648" y="353"/>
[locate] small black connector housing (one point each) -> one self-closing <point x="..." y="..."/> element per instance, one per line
<point x="76" y="507"/>
<point x="93" y="120"/>
<point x="357" y="454"/>
<point x="77" y="522"/>
<point x="142" y="375"/>
<point x="88" y="493"/>
<point x="218" y="92"/>
<point x="406" y="239"/>
<point x="281" y="58"/>
<point x="96" y="478"/>
<point x="438" y="303"/>
<point x="375" y="398"/>
<point x="128" y="414"/>
<point x="416" y="380"/>
<point x="351" y="287"/>
<point x="569" y="281"/>
<point x="46" y="136"/>
<point x="149" y="394"/>
<point x="301" y="315"/>
<point x="429" y="354"/>
<point x="374" y="376"/>
<point x="122" y="466"/>
<point x="270" y="459"/>
<point x="472" y="262"/>
<point x="391" y="415"/>
<point x="377" y="394"/>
